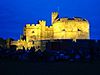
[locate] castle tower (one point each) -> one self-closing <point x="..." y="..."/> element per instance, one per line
<point x="42" y="24"/>
<point x="54" y="17"/>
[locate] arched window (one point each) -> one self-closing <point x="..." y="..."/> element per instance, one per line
<point x="63" y="30"/>
<point x="32" y="31"/>
<point x="79" y="30"/>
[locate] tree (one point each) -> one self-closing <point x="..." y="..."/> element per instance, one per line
<point x="2" y="43"/>
<point x="8" y="42"/>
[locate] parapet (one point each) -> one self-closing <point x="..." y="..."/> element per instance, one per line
<point x="33" y="24"/>
<point x="79" y="19"/>
<point x="42" y="22"/>
<point x="28" y="25"/>
<point x="64" y="19"/>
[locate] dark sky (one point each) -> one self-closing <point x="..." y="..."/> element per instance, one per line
<point x="14" y="14"/>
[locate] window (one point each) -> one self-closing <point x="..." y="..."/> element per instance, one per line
<point x="33" y="42"/>
<point x="63" y="30"/>
<point x="32" y="31"/>
<point x="79" y="30"/>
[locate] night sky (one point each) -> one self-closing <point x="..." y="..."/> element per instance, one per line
<point x="14" y="14"/>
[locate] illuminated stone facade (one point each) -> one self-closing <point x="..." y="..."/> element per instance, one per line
<point x="64" y="28"/>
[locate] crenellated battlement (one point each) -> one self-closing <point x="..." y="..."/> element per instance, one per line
<point x="42" y="22"/>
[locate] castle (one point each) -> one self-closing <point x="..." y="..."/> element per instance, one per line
<point x="61" y="28"/>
